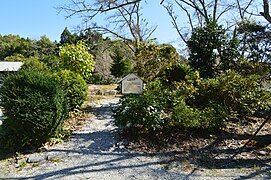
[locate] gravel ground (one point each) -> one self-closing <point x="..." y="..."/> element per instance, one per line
<point x="95" y="152"/>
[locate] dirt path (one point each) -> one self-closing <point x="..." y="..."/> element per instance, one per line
<point x="95" y="152"/>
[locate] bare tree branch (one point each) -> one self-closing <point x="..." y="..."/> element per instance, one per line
<point x="173" y="17"/>
<point x="215" y="10"/>
<point x="266" y="13"/>
<point x="124" y="17"/>
<point x="188" y="15"/>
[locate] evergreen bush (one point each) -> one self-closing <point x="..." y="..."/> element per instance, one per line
<point x="74" y="86"/>
<point x="34" y="108"/>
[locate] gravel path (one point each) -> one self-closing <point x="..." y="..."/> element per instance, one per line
<point x="95" y="153"/>
<point x="92" y="153"/>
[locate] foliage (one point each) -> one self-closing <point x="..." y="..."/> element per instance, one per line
<point x="77" y="58"/>
<point x="141" y="113"/>
<point x="52" y="61"/>
<point x="74" y="86"/>
<point x="191" y="102"/>
<point x="15" y="57"/>
<point x="14" y="44"/>
<point x="153" y="60"/>
<point x="186" y="117"/>
<point x="101" y="48"/>
<point x="247" y="67"/>
<point x="67" y="37"/>
<point x="121" y="67"/>
<point x="122" y="59"/>
<point x="211" y="50"/>
<point x="33" y="63"/>
<point x="15" y="48"/>
<point x="239" y="95"/>
<point x="44" y="47"/>
<point x="100" y="79"/>
<point x="138" y="113"/>
<point x="159" y="108"/>
<point x="255" y="42"/>
<point x="34" y="107"/>
<point x="95" y="44"/>
<point x="176" y="73"/>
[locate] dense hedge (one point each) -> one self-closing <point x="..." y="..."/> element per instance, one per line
<point x="74" y="86"/>
<point x="34" y="107"/>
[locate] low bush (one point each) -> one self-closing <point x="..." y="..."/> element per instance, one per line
<point x="34" y="63"/>
<point x="176" y="73"/>
<point x="209" y="118"/>
<point x="239" y="95"/>
<point x="74" y="86"/>
<point x="138" y="114"/>
<point x="34" y="108"/>
<point x="192" y="103"/>
<point x="144" y="113"/>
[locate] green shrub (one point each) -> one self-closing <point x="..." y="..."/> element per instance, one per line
<point x="34" y="108"/>
<point x="202" y="43"/>
<point x="74" y="86"/>
<point x="152" y="60"/>
<point x="192" y="103"/>
<point x="34" y="64"/>
<point x="144" y="113"/>
<point x="77" y="58"/>
<point x="209" y="118"/>
<point x="240" y="95"/>
<point x="177" y="72"/>
<point x="138" y="114"/>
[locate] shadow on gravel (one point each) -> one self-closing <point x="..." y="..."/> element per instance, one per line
<point x="212" y="157"/>
<point x="100" y="112"/>
<point x="107" y="155"/>
<point x="92" y="167"/>
<point x="103" y="151"/>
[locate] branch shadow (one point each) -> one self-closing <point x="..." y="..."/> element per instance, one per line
<point x="105" y="155"/>
<point x="100" y="151"/>
<point x="214" y="157"/>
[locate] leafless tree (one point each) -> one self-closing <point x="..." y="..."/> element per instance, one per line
<point x="197" y="12"/>
<point x="124" y="18"/>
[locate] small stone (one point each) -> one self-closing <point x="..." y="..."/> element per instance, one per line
<point x="105" y="105"/>
<point x="262" y="153"/>
<point x="36" y="158"/>
<point x="106" y="93"/>
<point x="51" y="155"/>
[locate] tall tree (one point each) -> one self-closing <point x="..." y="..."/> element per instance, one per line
<point x="211" y="51"/>
<point x="67" y="37"/>
<point x="255" y="42"/>
<point x="198" y="12"/>
<point x="77" y="58"/>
